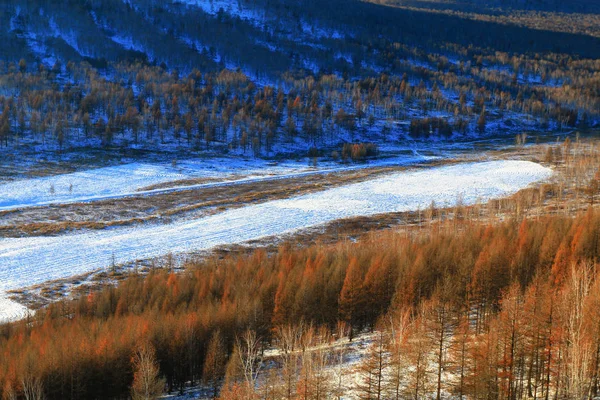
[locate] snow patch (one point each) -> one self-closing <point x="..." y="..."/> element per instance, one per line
<point x="10" y="310"/>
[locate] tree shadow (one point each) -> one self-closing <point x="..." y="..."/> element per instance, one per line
<point x="494" y="7"/>
<point x="432" y="31"/>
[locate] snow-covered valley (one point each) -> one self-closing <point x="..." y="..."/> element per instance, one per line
<point x="34" y="260"/>
<point x="151" y="178"/>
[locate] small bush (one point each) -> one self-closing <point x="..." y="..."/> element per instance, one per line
<point x="359" y="151"/>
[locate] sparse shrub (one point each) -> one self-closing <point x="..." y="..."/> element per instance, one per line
<point x="359" y="151"/>
<point x="549" y="156"/>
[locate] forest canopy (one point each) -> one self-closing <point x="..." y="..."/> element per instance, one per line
<point x="515" y="306"/>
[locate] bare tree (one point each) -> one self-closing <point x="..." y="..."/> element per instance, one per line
<point x="373" y="369"/>
<point x="288" y="339"/>
<point x="32" y="387"/>
<point x="417" y="349"/>
<point x="30" y="381"/>
<point x="398" y="326"/>
<point x="249" y="356"/>
<point x="320" y="382"/>
<point x="339" y="357"/>
<point x="580" y="351"/>
<point x="440" y="325"/>
<point x="146" y="381"/>
<point x="314" y="382"/>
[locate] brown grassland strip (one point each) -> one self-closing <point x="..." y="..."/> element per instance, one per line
<point x="182" y="182"/>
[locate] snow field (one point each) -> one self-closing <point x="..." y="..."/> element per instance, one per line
<point x="83" y="185"/>
<point x="33" y="260"/>
<point x="128" y="179"/>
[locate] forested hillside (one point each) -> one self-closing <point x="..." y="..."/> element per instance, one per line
<point x="76" y="105"/>
<point x="266" y="78"/>
<point x="482" y="311"/>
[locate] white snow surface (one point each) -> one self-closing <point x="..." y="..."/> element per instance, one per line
<point x="85" y="185"/>
<point x="33" y="260"/>
<point x="132" y="179"/>
<point x="129" y="179"/>
<point x="11" y="310"/>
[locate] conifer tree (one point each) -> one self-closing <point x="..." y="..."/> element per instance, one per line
<point x="351" y="297"/>
<point x="373" y="370"/>
<point x="214" y="363"/>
